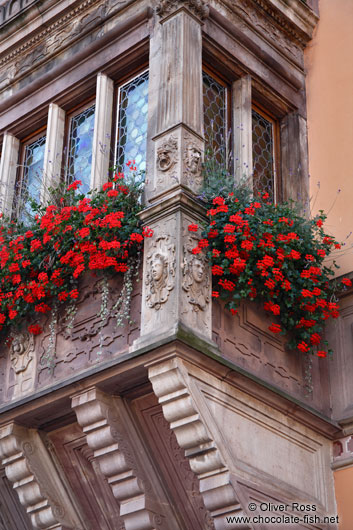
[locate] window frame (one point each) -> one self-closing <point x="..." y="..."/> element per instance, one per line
<point x="18" y="184"/>
<point x="277" y="177"/>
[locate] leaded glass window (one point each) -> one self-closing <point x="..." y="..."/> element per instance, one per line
<point x="263" y="154"/>
<point x="132" y="123"/>
<point x="80" y="148"/>
<point x="30" y="182"/>
<point x="215" y="118"/>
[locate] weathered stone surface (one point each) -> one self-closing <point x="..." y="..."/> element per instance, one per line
<point x="35" y="479"/>
<point x="115" y="444"/>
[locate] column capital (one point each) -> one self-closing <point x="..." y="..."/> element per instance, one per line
<point x="199" y="8"/>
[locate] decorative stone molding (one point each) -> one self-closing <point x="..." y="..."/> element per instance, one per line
<point x="199" y="8"/>
<point x="160" y="275"/>
<point x="183" y="409"/>
<point x="111" y="436"/>
<point x="11" y="8"/>
<point x="343" y="452"/>
<point x="192" y="161"/>
<point x="21" y="351"/>
<point x="167" y="154"/>
<point x="36" y="480"/>
<point x="196" y="276"/>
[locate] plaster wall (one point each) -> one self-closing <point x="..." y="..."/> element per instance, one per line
<point x="329" y="67"/>
<point x="343" y="486"/>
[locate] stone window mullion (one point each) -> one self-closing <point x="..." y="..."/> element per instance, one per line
<point x="102" y="131"/>
<point x="242" y="129"/>
<point x="53" y="150"/>
<point x="8" y="171"/>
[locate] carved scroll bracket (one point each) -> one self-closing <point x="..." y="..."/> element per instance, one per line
<point x="114" y="441"/>
<point x="186" y="413"/>
<point x="29" y="468"/>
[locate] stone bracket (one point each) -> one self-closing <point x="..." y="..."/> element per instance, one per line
<point x="111" y="435"/>
<point x="30" y="469"/>
<point x="184" y="408"/>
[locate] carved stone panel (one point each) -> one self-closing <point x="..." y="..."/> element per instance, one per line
<point x="182" y="483"/>
<point x="23" y="364"/>
<point x="178" y="161"/>
<point x="100" y="509"/>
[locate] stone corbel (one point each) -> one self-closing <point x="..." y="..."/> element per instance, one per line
<point x="184" y="409"/>
<point x="41" y="491"/>
<point x="111" y="435"/>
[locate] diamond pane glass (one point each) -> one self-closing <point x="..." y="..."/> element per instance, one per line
<point x="30" y="184"/>
<point x="132" y="123"/>
<point x="215" y="115"/>
<point x="263" y="154"/>
<point x="80" y="148"/>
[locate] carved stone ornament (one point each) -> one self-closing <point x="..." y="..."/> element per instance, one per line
<point x="167" y="154"/>
<point x="196" y="279"/>
<point x="160" y="277"/>
<point x="192" y="161"/>
<point x="21" y="351"/>
<point x="197" y="7"/>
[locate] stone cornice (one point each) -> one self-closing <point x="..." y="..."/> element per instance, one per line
<point x="293" y="17"/>
<point x="197" y="7"/>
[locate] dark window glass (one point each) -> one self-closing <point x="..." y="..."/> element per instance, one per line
<point x="80" y="148"/>
<point x="215" y="118"/>
<point x="132" y="123"/>
<point x="263" y="154"/>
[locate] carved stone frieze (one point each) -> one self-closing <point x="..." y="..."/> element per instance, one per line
<point x="112" y="438"/>
<point x="40" y="489"/>
<point x="197" y="7"/>
<point x="184" y="409"/>
<point x="160" y="275"/>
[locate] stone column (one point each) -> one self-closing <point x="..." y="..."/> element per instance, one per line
<point x="242" y="129"/>
<point x="53" y="149"/>
<point x="176" y="282"/>
<point x="8" y="172"/>
<point x="102" y="131"/>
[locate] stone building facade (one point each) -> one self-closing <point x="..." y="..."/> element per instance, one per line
<point x="187" y="416"/>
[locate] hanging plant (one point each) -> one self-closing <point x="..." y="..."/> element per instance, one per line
<point x="42" y="262"/>
<point x="271" y="254"/>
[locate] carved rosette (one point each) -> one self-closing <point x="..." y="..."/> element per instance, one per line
<point x="29" y="468"/>
<point x="184" y="409"/>
<point x="108" y="429"/>
<point x="196" y="276"/>
<point x="199" y="8"/>
<point x="160" y="275"/>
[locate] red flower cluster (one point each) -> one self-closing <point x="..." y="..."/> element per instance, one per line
<point x="42" y="265"/>
<point x="269" y="253"/>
